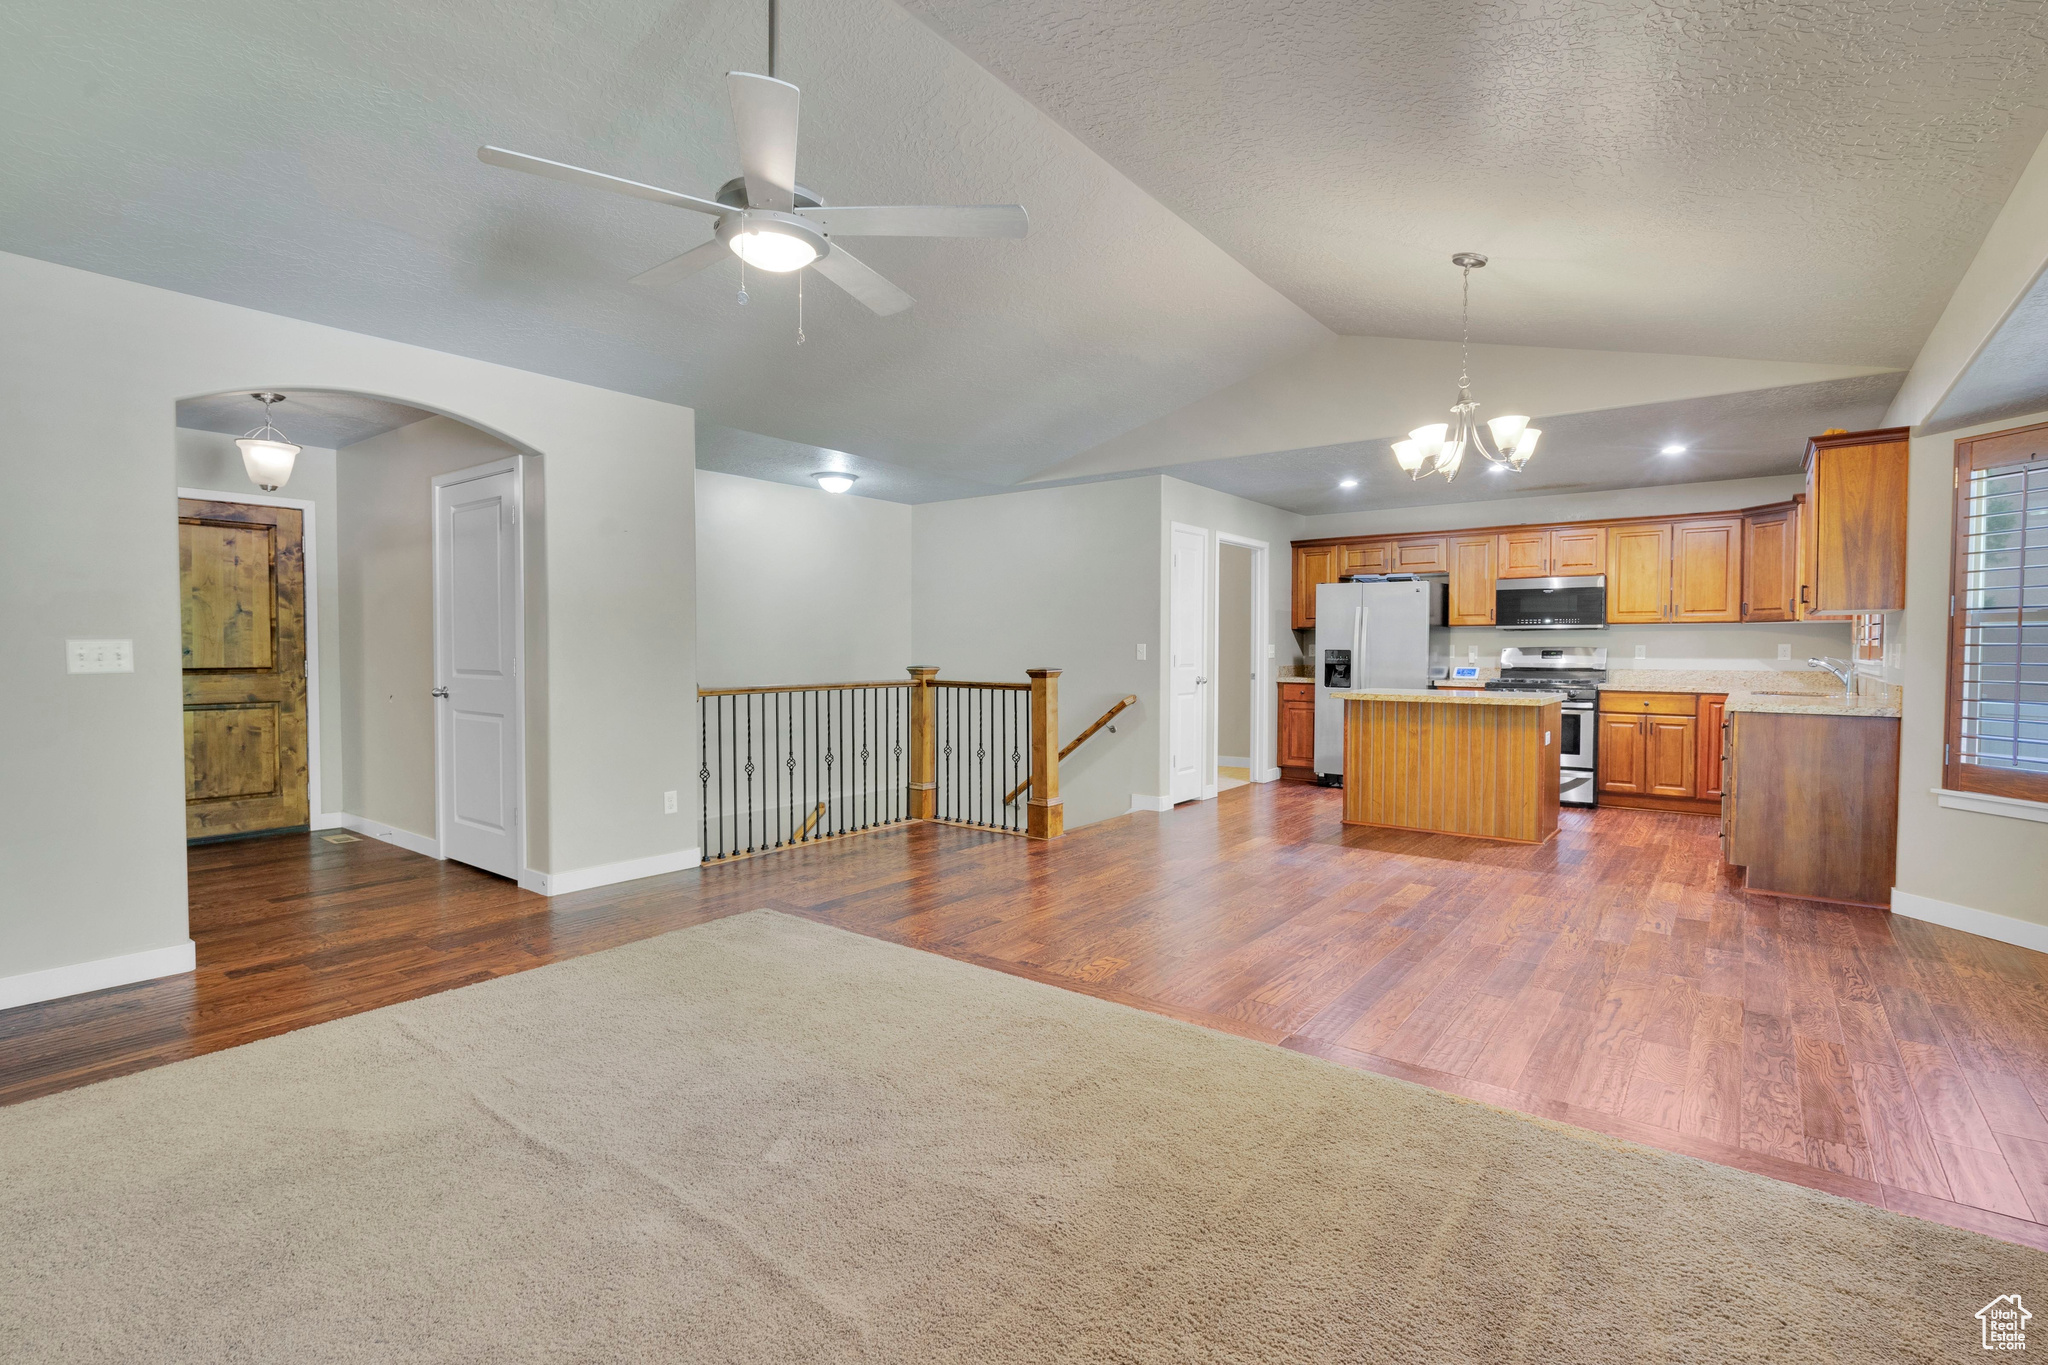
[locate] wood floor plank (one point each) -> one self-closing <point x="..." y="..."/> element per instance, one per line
<point x="1616" y="977"/>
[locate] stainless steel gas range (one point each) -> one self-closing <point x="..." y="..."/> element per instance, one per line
<point x="1578" y="674"/>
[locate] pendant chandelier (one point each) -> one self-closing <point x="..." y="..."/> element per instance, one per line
<point x="266" y="454"/>
<point x="1440" y="447"/>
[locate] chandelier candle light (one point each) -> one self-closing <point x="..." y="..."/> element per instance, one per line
<point x="1439" y="448"/>
<point x="266" y="454"/>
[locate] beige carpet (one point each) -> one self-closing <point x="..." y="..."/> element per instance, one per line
<point x="763" y="1140"/>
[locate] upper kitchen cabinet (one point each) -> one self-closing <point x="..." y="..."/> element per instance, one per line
<point x="1706" y="570"/>
<point x="1854" y="555"/>
<point x="1770" y="564"/>
<point x="1639" y="573"/>
<point x="1372" y="556"/>
<point x="1314" y="565"/>
<point x="1420" y="554"/>
<point x="1551" y="551"/>
<point x="1472" y="579"/>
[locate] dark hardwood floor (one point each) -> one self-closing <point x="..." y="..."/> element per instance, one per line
<point x="1613" y="978"/>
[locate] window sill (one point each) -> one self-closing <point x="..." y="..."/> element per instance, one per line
<point x="1983" y="803"/>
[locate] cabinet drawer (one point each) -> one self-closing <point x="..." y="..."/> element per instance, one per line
<point x="1298" y="691"/>
<point x="1651" y="703"/>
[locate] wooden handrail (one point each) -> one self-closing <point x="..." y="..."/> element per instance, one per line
<point x="996" y="687"/>
<point x="798" y="687"/>
<point x="1105" y="718"/>
<point x="809" y="824"/>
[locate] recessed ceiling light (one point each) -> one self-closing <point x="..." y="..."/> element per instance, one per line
<point x="1347" y="483"/>
<point x="832" y="481"/>
<point x="1672" y="450"/>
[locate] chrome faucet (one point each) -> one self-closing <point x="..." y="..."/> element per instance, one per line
<point x="1841" y="668"/>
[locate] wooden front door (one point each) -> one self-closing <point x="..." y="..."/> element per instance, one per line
<point x="242" y="599"/>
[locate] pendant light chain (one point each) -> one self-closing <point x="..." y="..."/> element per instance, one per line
<point x="1465" y="340"/>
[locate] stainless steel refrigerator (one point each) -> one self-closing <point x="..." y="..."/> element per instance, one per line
<point x="1383" y="634"/>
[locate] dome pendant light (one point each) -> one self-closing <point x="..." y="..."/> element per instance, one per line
<point x="266" y="454"/>
<point x="1440" y="447"/>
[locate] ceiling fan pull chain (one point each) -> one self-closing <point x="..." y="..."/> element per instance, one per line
<point x="799" y="307"/>
<point x="743" y="262"/>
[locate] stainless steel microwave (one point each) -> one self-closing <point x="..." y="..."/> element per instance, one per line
<point x="1550" y="603"/>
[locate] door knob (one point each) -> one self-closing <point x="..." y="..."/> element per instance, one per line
<point x="440" y="691"/>
<point x="1201" y="682"/>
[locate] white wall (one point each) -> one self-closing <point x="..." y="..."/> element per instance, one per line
<point x="209" y="460"/>
<point x="1059" y="578"/>
<point x="797" y="585"/>
<point x="92" y="814"/>
<point x="1988" y="863"/>
<point x="1676" y="499"/>
<point x="1235" y="663"/>
<point x="386" y="501"/>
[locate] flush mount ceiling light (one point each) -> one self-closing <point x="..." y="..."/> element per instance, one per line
<point x="266" y="454"/>
<point x="1440" y="447"/>
<point x="1672" y="450"/>
<point x="832" y="481"/>
<point x="777" y="242"/>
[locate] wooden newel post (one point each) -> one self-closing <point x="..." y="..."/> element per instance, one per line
<point x="924" y="743"/>
<point x="1044" y="818"/>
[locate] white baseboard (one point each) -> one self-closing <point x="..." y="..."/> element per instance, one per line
<point x="53" y="983"/>
<point x="1268" y="775"/>
<point x="584" y="878"/>
<point x="1983" y="923"/>
<point x="401" y="838"/>
<point x="1139" y="803"/>
<point x="1223" y="762"/>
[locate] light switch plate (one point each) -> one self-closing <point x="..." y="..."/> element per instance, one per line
<point x="1141" y="654"/>
<point x="99" y="656"/>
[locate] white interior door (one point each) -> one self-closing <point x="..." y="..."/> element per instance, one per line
<point x="476" y="665"/>
<point x="1187" y="656"/>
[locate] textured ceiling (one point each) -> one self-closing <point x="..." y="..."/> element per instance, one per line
<point x="308" y="417"/>
<point x="1795" y="181"/>
<point x="1729" y="436"/>
<point x="319" y="161"/>
<point x="2009" y="377"/>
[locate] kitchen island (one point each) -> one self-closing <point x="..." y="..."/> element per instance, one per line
<point x="1480" y="764"/>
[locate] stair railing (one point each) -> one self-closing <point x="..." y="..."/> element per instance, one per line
<point x="1076" y="742"/>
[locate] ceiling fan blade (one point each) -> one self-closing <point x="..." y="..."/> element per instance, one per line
<point x="685" y="265"/>
<point x="928" y="220"/>
<point x="576" y="175"/>
<point x="764" y="124"/>
<point x="860" y="280"/>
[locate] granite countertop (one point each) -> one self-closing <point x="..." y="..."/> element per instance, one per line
<point x="1819" y="704"/>
<point x="1717" y="680"/>
<point x="1460" y="697"/>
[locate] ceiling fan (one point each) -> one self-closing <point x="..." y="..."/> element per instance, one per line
<point x="768" y="220"/>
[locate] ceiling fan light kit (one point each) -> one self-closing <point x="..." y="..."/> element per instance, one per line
<point x="1439" y="448"/>
<point x="768" y="221"/>
<point x="267" y="456"/>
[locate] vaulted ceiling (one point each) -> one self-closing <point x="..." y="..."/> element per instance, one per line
<point x="1219" y="193"/>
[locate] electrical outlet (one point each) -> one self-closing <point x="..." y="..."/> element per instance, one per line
<point x="1642" y="651"/>
<point x="1269" y="652"/>
<point x="668" y="803"/>
<point x="1141" y="654"/>
<point x="99" y="656"/>
<point x="1472" y="654"/>
<point x="1784" y="651"/>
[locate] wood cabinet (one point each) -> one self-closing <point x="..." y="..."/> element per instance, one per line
<point x="1770" y="564"/>
<point x="1372" y="556"/>
<point x="1706" y="570"/>
<point x="1524" y="553"/>
<point x="1638" y="573"/>
<point x="1314" y="565"/>
<point x="1712" y="716"/>
<point x="1297" y="747"/>
<point x="1811" y="808"/>
<point x="1420" y="554"/>
<point x="1578" y="551"/>
<point x="1855" y="546"/>
<point x="1472" y="580"/>
<point x="1648" y="751"/>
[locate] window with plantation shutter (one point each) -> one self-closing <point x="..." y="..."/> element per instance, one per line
<point x="1998" y="630"/>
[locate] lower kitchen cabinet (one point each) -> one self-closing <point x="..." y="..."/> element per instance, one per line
<point x="1649" y="752"/>
<point x="1812" y="805"/>
<point x="1713" y="716"/>
<point x="1297" y="750"/>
